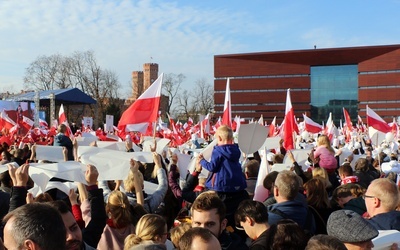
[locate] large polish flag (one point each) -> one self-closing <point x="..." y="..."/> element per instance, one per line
<point x="5" y="121"/>
<point x="227" y="115"/>
<point x="312" y="126"/>
<point x="375" y="121"/>
<point x="289" y="124"/>
<point x="144" y="110"/>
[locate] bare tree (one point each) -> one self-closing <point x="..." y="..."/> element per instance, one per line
<point x="80" y="70"/>
<point x="48" y="72"/>
<point x="171" y="86"/>
<point x="185" y="107"/>
<point x="203" y="96"/>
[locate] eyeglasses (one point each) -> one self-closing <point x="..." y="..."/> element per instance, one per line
<point x="367" y="196"/>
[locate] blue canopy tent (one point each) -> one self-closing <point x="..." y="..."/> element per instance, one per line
<point x="67" y="97"/>
<point x="70" y="96"/>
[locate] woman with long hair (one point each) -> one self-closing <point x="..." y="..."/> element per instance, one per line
<point x="151" y="229"/>
<point x="119" y="225"/>
<point x="318" y="203"/>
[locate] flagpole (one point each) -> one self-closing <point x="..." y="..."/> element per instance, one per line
<point x="154" y="129"/>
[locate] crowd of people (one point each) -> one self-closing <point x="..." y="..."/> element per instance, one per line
<point x="334" y="204"/>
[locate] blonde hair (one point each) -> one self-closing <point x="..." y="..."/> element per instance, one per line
<point x="129" y="181"/>
<point x="178" y="231"/>
<point x="386" y="191"/>
<point x="119" y="208"/>
<point x="225" y="132"/>
<point x="150" y="227"/>
<point x="323" y="140"/>
<point x="323" y="174"/>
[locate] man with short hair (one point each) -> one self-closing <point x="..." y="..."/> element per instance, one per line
<point x="60" y="139"/>
<point x="34" y="226"/>
<point x="76" y="239"/>
<point x="289" y="206"/>
<point x="381" y="200"/>
<point x="351" y="229"/>
<point x="199" y="238"/>
<point x="252" y="216"/>
<point x="251" y="173"/>
<point x="208" y="211"/>
<point x="87" y="238"/>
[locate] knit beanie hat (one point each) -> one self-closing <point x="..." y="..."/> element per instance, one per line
<point x="350" y="227"/>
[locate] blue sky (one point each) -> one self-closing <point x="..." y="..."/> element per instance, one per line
<point x="182" y="36"/>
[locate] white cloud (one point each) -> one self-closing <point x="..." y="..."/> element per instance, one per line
<point x="123" y="34"/>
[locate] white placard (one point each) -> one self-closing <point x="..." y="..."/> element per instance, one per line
<point x="251" y="137"/>
<point x="50" y="153"/>
<point x="109" y="126"/>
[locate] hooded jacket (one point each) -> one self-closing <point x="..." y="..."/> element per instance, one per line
<point x="225" y="170"/>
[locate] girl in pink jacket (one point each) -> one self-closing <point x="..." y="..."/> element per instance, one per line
<point x="325" y="153"/>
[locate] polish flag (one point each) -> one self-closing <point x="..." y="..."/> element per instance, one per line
<point x="347" y="119"/>
<point x="289" y="126"/>
<point x="5" y="121"/>
<point x="395" y="128"/>
<point x="227" y="115"/>
<point x="143" y="110"/>
<point x="375" y="121"/>
<point x="361" y="125"/>
<point x="43" y="123"/>
<point x="272" y="128"/>
<point x="27" y="122"/>
<point x="61" y="115"/>
<point x="205" y="126"/>
<point x="312" y="126"/>
<point x="330" y="127"/>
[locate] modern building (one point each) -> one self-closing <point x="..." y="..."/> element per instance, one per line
<point x="320" y="81"/>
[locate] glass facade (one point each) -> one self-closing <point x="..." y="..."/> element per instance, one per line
<point x="332" y="89"/>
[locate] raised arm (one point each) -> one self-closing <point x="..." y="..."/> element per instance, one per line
<point x="136" y="182"/>
<point x="158" y="196"/>
<point x="19" y="177"/>
<point x="92" y="232"/>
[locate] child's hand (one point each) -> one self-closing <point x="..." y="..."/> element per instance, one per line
<point x="200" y="157"/>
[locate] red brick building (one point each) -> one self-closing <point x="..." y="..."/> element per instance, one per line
<point x="321" y="81"/>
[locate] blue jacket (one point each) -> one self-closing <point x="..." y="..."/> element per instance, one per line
<point x="225" y="170"/>
<point x="294" y="210"/>
<point x="64" y="141"/>
<point x="386" y="221"/>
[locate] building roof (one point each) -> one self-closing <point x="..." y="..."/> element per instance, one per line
<point x="62" y="96"/>
<point x="321" y="57"/>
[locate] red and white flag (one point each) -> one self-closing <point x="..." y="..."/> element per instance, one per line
<point x="61" y="115"/>
<point x="329" y="127"/>
<point x="43" y="123"/>
<point x="205" y="126"/>
<point x="289" y="124"/>
<point x="375" y="121"/>
<point x="348" y="123"/>
<point x="272" y="128"/>
<point x="5" y="121"/>
<point x="27" y="122"/>
<point x="311" y="126"/>
<point x="144" y="110"/>
<point x="227" y="115"/>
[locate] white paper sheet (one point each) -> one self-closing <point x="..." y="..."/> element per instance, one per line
<point x="50" y="153"/>
<point x="251" y="137"/>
